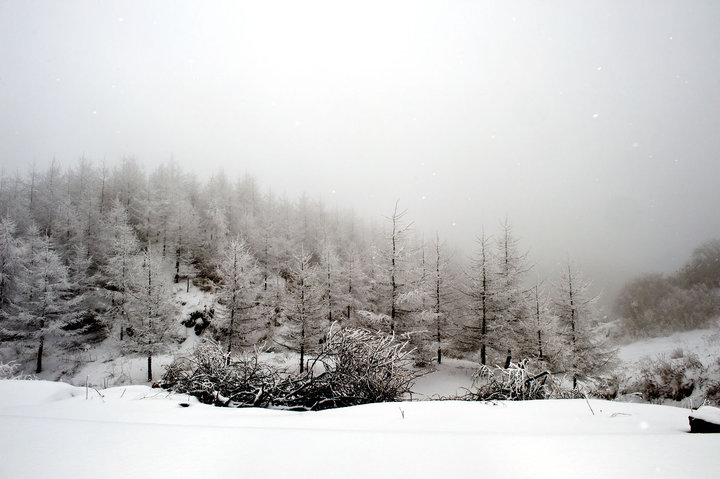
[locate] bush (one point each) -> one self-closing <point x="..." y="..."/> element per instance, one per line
<point x="517" y="383"/>
<point x="665" y="378"/>
<point x="10" y="371"/>
<point x="355" y="366"/>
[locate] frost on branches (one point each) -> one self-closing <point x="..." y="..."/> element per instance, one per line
<point x="355" y="366"/>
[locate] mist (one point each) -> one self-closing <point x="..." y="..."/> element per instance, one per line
<point x="591" y="126"/>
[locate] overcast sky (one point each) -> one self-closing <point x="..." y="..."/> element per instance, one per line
<point x="593" y="126"/>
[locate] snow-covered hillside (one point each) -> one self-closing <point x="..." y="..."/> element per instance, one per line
<point x="705" y="343"/>
<point x="53" y="430"/>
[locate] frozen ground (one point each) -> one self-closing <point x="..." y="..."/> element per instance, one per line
<point x="52" y="430"/>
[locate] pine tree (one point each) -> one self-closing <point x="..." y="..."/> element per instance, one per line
<point x="122" y="247"/>
<point x="442" y="298"/>
<point x="303" y="310"/>
<point x="396" y="256"/>
<point x="511" y="298"/>
<point x="12" y="278"/>
<point x="10" y="264"/>
<point x="583" y="353"/>
<point x="45" y="305"/>
<point x="238" y="291"/>
<point x="151" y="310"/>
<point x="482" y="291"/>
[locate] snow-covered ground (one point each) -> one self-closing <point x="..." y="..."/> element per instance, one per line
<point x="705" y="343"/>
<point x="452" y="378"/>
<point x="53" y="430"/>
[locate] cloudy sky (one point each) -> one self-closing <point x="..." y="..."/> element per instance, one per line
<point x="593" y="126"/>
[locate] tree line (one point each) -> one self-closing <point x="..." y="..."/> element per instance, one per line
<point x="657" y="304"/>
<point x="91" y="253"/>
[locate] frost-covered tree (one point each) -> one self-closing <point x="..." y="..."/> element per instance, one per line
<point x="395" y="264"/>
<point x="482" y="292"/>
<point x="582" y="352"/>
<point x="11" y="266"/>
<point x="215" y="236"/>
<point x="354" y="283"/>
<point x="238" y="292"/>
<point x="45" y="306"/>
<point x="334" y="298"/>
<point x="151" y="310"/>
<point x="703" y="267"/>
<point x="122" y="248"/>
<point x="511" y="296"/>
<point x="544" y="323"/>
<point x="442" y="297"/>
<point x="303" y="308"/>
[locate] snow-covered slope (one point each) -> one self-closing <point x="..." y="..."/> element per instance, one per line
<point x="705" y="343"/>
<point x="137" y="431"/>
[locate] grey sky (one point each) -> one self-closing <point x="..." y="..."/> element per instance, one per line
<point x="591" y="125"/>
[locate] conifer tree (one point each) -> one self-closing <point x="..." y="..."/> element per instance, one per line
<point x="151" y="310"/>
<point x="582" y="353"/>
<point x="44" y="306"/>
<point x="238" y="292"/>
<point x="303" y="310"/>
<point x="122" y="247"/>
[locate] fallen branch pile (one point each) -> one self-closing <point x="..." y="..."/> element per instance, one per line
<point x="516" y="383"/>
<point x="355" y="366"/>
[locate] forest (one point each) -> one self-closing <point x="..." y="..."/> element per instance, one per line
<point x="90" y="253"/>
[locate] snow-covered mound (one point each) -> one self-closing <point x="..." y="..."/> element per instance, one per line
<point x="33" y="393"/>
<point x="137" y="431"/>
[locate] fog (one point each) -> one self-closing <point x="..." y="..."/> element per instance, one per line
<point x="591" y="126"/>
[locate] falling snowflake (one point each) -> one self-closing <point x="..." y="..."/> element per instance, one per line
<point x="595" y="115"/>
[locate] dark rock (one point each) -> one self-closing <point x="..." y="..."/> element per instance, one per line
<point x="703" y="426"/>
<point x="705" y="419"/>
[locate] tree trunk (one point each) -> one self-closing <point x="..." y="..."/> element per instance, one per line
<point x="540" y="344"/>
<point x="302" y="358"/>
<point x="38" y="366"/>
<point x="149" y="368"/>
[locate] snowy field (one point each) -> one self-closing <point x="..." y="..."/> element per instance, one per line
<point x="51" y="430"/>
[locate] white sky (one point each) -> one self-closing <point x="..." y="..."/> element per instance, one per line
<point x="592" y="125"/>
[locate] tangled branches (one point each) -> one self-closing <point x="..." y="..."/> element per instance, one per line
<point x="355" y="366"/>
<point x="516" y="383"/>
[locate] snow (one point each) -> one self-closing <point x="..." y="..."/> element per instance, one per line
<point x="705" y="343"/>
<point x="708" y="413"/>
<point x="451" y="378"/>
<point x="137" y="431"/>
<point x="34" y="393"/>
